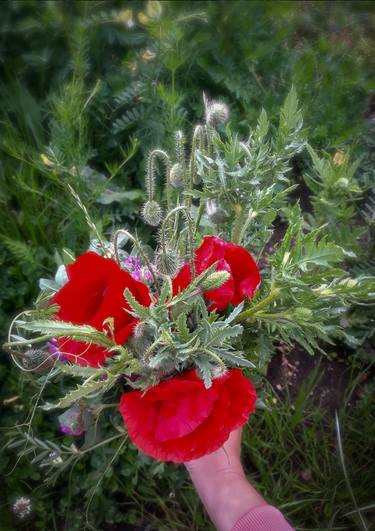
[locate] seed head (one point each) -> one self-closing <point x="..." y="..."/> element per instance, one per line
<point x="152" y="213"/>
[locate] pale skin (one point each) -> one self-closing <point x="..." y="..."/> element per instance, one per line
<point x="222" y="486"/>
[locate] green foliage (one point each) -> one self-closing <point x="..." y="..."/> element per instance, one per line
<point x="82" y="108"/>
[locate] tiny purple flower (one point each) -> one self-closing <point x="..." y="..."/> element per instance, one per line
<point x="132" y="264"/>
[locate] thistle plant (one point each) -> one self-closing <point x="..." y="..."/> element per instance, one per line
<point x="235" y="189"/>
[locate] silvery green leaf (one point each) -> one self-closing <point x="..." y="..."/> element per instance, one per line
<point x="236" y="360"/>
<point x="205" y="370"/>
<point x="61" y="276"/>
<point x="236" y="311"/>
<point x="112" y="196"/>
<point x="48" y="284"/>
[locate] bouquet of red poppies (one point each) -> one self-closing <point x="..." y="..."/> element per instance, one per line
<point x="160" y="328"/>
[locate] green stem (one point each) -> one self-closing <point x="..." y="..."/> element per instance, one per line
<point x="198" y="134"/>
<point x="199" y="217"/>
<point x="46" y="337"/>
<point x="237" y="228"/>
<point x="102" y="443"/>
<point x="186" y="213"/>
<point x="274" y="316"/>
<point x="215" y="357"/>
<point x="139" y="248"/>
<point x="165" y="223"/>
<point x="273" y="294"/>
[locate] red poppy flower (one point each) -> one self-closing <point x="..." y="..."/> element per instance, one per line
<point x="179" y="419"/>
<point x="244" y="273"/>
<point x="93" y="293"/>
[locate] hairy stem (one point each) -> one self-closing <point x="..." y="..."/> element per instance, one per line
<point x="139" y="248"/>
<point x="238" y="221"/>
<point x="250" y="312"/>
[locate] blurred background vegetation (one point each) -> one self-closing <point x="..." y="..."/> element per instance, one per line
<point x="91" y="86"/>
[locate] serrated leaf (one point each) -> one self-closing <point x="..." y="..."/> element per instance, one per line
<point x="232" y="359"/>
<point x="138" y="309"/>
<point x="62" y="329"/>
<point x="82" y="391"/>
<point x="182" y="327"/>
<point x="236" y="311"/>
<point x="204" y="371"/>
<point x="78" y="370"/>
<point x="167" y="290"/>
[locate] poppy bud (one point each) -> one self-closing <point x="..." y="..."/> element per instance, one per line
<point x="217" y="113"/>
<point x="177" y="176"/>
<point x="37" y="360"/>
<point x="167" y="263"/>
<point x="215" y="212"/>
<point x="151" y="213"/>
<point x="215" y="280"/>
<point x="143" y="329"/>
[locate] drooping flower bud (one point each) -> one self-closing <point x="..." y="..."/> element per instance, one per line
<point x="215" y="212"/>
<point x="177" y="176"/>
<point x="37" y="360"/>
<point x="143" y="329"/>
<point x="152" y="213"/>
<point x="167" y="263"/>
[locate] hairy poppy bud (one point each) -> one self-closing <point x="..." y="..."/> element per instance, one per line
<point x="177" y="176"/>
<point x="215" y="280"/>
<point x="75" y="420"/>
<point x="215" y="212"/>
<point x="143" y="329"/>
<point x="151" y="213"/>
<point x="37" y="360"/>
<point x="167" y="263"/>
<point x="217" y="113"/>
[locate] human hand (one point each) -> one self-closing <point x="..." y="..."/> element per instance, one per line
<point x="221" y="484"/>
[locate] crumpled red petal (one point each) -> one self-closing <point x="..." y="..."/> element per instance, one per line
<point x="186" y="421"/>
<point x="94" y="292"/>
<point x="244" y="273"/>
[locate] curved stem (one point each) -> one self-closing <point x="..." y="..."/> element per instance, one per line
<point x="197" y="135"/>
<point x="139" y="248"/>
<point x="150" y="174"/>
<point x="186" y="213"/>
